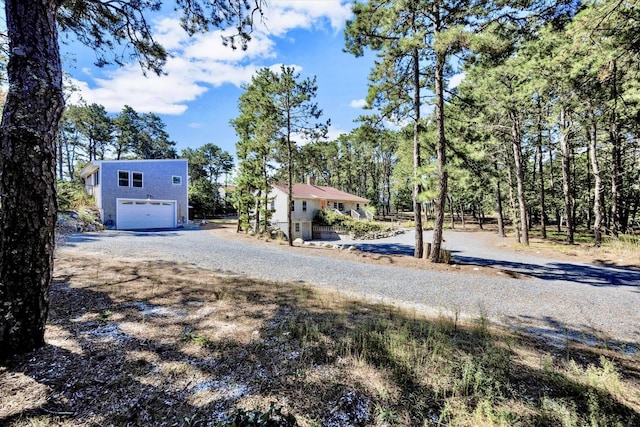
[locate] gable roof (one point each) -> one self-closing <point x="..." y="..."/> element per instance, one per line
<point x="306" y="191"/>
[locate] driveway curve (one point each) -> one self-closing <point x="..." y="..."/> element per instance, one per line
<point x="592" y="304"/>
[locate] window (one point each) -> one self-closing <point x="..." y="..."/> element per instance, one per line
<point x="304" y="206"/>
<point x="340" y="207"/>
<point x="96" y="178"/>
<point x="357" y="206"/>
<point x="123" y="178"/>
<point x="176" y="180"/>
<point x="136" y="179"/>
<point x="297" y="227"/>
<point x="293" y="205"/>
<point x="273" y="206"/>
<point x="335" y="205"/>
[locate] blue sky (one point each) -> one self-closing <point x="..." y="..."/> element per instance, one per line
<point x="199" y="94"/>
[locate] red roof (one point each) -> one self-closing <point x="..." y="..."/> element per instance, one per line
<point x="306" y="191"/>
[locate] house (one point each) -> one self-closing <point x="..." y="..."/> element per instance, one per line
<point x="139" y="194"/>
<point x="307" y="200"/>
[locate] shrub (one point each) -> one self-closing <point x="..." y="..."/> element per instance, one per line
<point x="358" y="228"/>
<point x="72" y="195"/>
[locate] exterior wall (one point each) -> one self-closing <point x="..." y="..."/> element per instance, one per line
<point x="93" y="188"/>
<point x="313" y="206"/>
<point x="303" y="218"/>
<point x="304" y="230"/>
<point x="156" y="184"/>
<point x="279" y="215"/>
<point x="348" y="206"/>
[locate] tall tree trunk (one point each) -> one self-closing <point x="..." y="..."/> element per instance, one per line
<point x="452" y="212"/>
<point x="565" y="150"/>
<point x="543" y="210"/>
<point x="597" y="193"/>
<point x="417" y="162"/>
<point x="552" y="186"/>
<point x="441" y="155"/>
<point x="265" y="183"/>
<point x="515" y="221"/>
<point x="258" y="196"/>
<point x="616" y="158"/>
<point x="28" y="133"/>
<point x="516" y="145"/>
<point x="498" y="197"/>
<point x="240" y="207"/>
<point x="289" y="178"/>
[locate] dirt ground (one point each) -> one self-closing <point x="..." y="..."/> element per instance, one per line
<point x="611" y="255"/>
<point x="133" y="343"/>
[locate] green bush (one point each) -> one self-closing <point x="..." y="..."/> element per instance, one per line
<point x="72" y="195"/>
<point x="358" y="228"/>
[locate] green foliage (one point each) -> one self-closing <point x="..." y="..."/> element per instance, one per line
<point x="72" y="195"/>
<point x="207" y="164"/>
<point x="358" y="228"/>
<point x="276" y="110"/>
<point x="94" y="127"/>
<point x="201" y="197"/>
<point x="273" y="417"/>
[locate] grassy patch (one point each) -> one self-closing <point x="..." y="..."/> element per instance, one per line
<point x="152" y="343"/>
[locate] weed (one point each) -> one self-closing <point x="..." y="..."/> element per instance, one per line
<point x="559" y="412"/>
<point x="386" y="415"/>
<point x="103" y="317"/>
<point x="189" y="336"/>
<point x="606" y="377"/>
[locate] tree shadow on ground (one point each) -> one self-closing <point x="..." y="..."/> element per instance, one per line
<point x="153" y="343"/>
<point x="560" y="335"/>
<point x="576" y="273"/>
<point x="595" y="275"/>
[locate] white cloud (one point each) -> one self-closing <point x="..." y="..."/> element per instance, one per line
<point x="358" y="103"/>
<point x="200" y="62"/>
<point x="334" y="132"/>
<point x="284" y="15"/>
<point x="455" y="80"/>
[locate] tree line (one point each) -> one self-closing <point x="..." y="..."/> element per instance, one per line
<point x="542" y="131"/>
<point x="88" y="132"/>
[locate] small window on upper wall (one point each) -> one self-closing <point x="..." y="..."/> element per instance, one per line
<point x="176" y="180"/>
<point x="123" y="178"/>
<point x="304" y="206"/>
<point x="96" y="178"/>
<point x="136" y="179"/>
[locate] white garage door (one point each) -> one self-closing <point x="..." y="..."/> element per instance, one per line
<point x="143" y="214"/>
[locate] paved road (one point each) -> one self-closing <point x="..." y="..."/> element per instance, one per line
<point x="562" y="300"/>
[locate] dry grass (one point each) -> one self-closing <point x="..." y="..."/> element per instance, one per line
<point x="153" y="343"/>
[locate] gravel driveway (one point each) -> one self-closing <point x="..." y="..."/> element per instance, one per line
<point x="563" y="300"/>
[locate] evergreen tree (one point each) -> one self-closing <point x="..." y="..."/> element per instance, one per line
<point x="127" y="132"/>
<point x="94" y="126"/>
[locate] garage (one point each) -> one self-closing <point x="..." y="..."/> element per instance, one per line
<point x="134" y="214"/>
